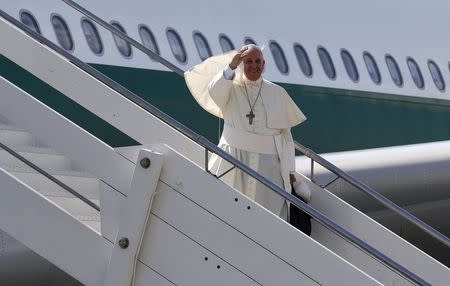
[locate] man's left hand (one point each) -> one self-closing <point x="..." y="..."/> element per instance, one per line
<point x="292" y="178"/>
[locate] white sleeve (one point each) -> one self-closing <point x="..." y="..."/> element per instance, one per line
<point x="291" y="149"/>
<point x="219" y="89"/>
<point x="228" y="73"/>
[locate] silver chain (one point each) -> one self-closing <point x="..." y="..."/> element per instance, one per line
<point x="248" y="98"/>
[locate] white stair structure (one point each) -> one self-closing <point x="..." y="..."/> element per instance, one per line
<point x="58" y="166"/>
<point x="163" y="219"/>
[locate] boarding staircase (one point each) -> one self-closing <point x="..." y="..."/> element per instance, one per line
<point x="152" y="214"/>
<point x="58" y="166"/>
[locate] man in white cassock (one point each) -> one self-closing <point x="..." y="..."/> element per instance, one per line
<point x="258" y="115"/>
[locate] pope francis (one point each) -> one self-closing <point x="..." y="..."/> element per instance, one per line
<point x="258" y="115"/>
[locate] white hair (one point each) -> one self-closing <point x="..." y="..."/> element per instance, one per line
<point x="259" y="48"/>
<point x="239" y="73"/>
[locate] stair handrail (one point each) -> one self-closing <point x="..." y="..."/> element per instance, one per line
<point x="369" y="191"/>
<point x="49" y="176"/>
<point x="208" y="145"/>
<point x="126" y="38"/>
<point x="380" y="198"/>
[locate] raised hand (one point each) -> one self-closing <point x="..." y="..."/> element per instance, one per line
<point x="237" y="59"/>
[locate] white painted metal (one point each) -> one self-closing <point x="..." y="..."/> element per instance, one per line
<point x="92" y="94"/>
<point x="16" y="138"/>
<point x="233" y="248"/>
<point x="203" y="210"/>
<point x="133" y="220"/>
<point x="195" y="215"/>
<point x="413" y="176"/>
<point x="147" y="276"/>
<point x="49" y="127"/>
<point x="52" y="232"/>
<point x="83" y="183"/>
<point x="434" y="209"/>
<point x="45" y="158"/>
<point x="374" y="234"/>
<point x="59" y="166"/>
<point x="182" y="260"/>
<point x="367" y="229"/>
<point x="111" y="204"/>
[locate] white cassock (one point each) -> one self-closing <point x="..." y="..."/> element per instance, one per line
<point x="266" y="145"/>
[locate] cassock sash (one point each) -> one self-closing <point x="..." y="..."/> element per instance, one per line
<point x="266" y="144"/>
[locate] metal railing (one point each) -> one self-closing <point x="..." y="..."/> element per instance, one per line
<point x="369" y="191"/>
<point x="205" y="143"/>
<point x="49" y="176"/>
<point x="307" y="152"/>
<point x="124" y="37"/>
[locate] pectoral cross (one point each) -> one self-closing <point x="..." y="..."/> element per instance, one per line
<point x="250" y="117"/>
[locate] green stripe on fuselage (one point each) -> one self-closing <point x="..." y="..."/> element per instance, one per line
<point x="62" y="104"/>
<point x="338" y="120"/>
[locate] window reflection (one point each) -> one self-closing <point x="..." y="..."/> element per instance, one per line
<point x="279" y="57"/>
<point x="436" y="75"/>
<point x="327" y="63"/>
<point x="416" y="74"/>
<point x="350" y="66"/>
<point x="394" y="70"/>
<point x="148" y="39"/>
<point x="92" y="37"/>
<point x="303" y="60"/>
<point x="372" y="68"/>
<point x="249" y="41"/>
<point x="225" y="43"/>
<point x="176" y="45"/>
<point x="62" y="32"/>
<point x="202" y="46"/>
<point x="122" y="45"/>
<point x="28" y="19"/>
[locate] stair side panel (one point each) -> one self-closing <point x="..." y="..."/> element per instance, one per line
<point x="51" y="232"/>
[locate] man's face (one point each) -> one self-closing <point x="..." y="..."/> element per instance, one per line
<point x="253" y="64"/>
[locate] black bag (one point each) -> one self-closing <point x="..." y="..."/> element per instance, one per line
<point x="298" y="218"/>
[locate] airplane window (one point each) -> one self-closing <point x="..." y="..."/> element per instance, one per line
<point x="372" y="68"/>
<point x="225" y="43"/>
<point x="92" y="37"/>
<point x="28" y="19"/>
<point x="303" y="60"/>
<point x="122" y="45"/>
<point x="416" y="74"/>
<point x="394" y="70"/>
<point x="249" y="41"/>
<point x="62" y="32"/>
<point x="202" y="46"/>
<point x="350" y="65"/>
<point x="176" y="45"/>
<point x="279" y="57"/>
<point x="436" y="75"/>
<point x="327" y="63"/>
<point x="148" y="39"/>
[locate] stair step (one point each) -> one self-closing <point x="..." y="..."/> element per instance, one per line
<point x="42" y="157"/>
<point x="9" y="127"/>
<point x="79" y="209"/>
<point x="95" y="225"/>
<point x="82" y="183"/>
<point x="16" y="138"/>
